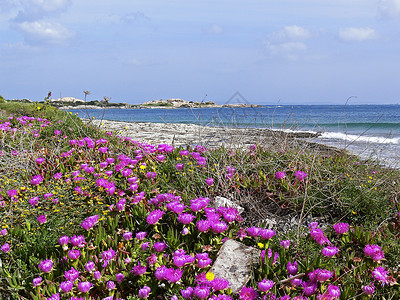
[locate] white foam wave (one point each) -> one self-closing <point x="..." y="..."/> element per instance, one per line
<point x="359" y="138"/>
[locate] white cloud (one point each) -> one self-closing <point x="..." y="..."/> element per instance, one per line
<point x="389" y="8"/>
<point x="353" y="34"/>
<point x="214" y="29"/>
<point x="44" y="32"/>
<point x="29" y="10"/>
<point x="294" y="33"/>
<point x="288" y="42"/>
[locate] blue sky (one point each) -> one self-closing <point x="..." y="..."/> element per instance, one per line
<point x="271" y="51"/>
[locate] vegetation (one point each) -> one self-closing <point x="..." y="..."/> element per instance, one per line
<point x="88" y="214"/>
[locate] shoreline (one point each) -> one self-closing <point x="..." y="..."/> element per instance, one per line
<point x="178" y="134"/>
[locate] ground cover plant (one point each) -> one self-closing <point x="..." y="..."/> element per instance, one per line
<point x="89" y="214"/>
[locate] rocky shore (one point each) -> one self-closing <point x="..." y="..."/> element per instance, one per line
<point x="177" y="134"/>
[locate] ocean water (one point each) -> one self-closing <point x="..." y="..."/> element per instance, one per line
<point x="370" y="131"/>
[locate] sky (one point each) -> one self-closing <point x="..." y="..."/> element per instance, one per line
<point x="268" y="51"/>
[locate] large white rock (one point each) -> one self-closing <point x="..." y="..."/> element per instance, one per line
<point x="235" y="262"/>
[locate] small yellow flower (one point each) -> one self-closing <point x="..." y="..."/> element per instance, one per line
<point x="210" y="276"/>
<point x="261" y="245"/>
<point x="354" y="212"/>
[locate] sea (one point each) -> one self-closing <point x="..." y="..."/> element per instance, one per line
<point x="369" y="131"/>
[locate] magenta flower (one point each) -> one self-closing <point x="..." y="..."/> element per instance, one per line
<point x="300" y="175"/>
<point x="329" y="251"/>
<point x="374" y="251"/>
<point x="96" y="275"/>
<point x="84" y="286"/>
<point x="187" y="293"/>
<point x="285" y="244"/>
<point x="71" y="275"/>
<point x="154" y="216"/>
<point x="141" y="235"/>
<point x="219" y="284"/>
<point x="176" y="207"/>
<point x="201" y="292"/>
<point x="139" y="269"/>
<point x="324" y="275"/>
<point x="36" y="180"/>
<point x="78" y="241"/>
<point x="127" y="236"/>
<point x="219" y="227"/>
<point x="144" y="292"/>
<point x="267" y="234"/>
<point x="3" y="232"/>
<point x="89" y="266"/>
<point x="160" y="157"/>
<point x="151" y="175"/>
<point x="66" y="286"/>
<point x="107" y="256"/>
<point x="40" y="160"/>
<point x="265" y="285"/>
<point x="57" y="176"/>
<point x="292" y="268"/>
<point x="368" y="289"/>
<point x="309" y="288"/>
<point x="160" y="246"/>
<point x="280" y="175"/>
<point x="102" y="150"/>
<point x="179" y="167"/>
<point x="5" y="248"/>
<point x="253" y="231"/>
<point x="90" y="222"/>
<point x="198" y="204"/>
<point x="341" y="228"/>
<point x="37" y="281"/>
<point x="41" y="219"/>
<point x="248" y="293"/>
<point x="110" y="285"/>
<point x="46" y="265"/>
<point x="319" y="236"/>
<point x="333" y="291"/>
<point x="210" y="181"/>
<point x="203" y="260"/>
<point x="380" y="274"/>
<point x="186" y="218"/>
<point x="203" y="225"/>
<point x="74" y="254"/>
<point x="119" y="277"/>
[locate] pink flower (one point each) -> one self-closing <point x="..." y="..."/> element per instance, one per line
<point x="329" y="251"/>
<point x="36" y="180"/>
<point x="5" y="248"/>
<point x="37" y="281"/>
<point x="84" y="286"/>
<point x="285" y="244"/>
<point x="66" y="286"/>
<point x="267" y="234"/>
<point x="280" y="175"/>
<point x="41" y="219"/>
<point x="210" y="181"/>
<point x="144" y="292"/>
<point x="341" y="228"/>
<point x="300" y="175"/>
<point x="292" y="268"/>
<point x="219" y="284"/>
<point x="46" y="265"/>
<point x="248" y="293"/>
<point x="368" y="289"/>
<point x="374" y="251"/>
<point x="154" y="216"/>
<point x="265" y="285"/>
<point x="380" y="274"/>
<point x="186" y="218"/>
<point x="179" y="167"/>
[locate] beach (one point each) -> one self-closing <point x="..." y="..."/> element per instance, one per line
<point x="177" y="134"/>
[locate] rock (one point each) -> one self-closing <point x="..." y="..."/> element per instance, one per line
<point x="225" y="202"/>
<point x="235" y="262"/>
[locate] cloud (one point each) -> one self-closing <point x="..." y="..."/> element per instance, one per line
<point x="288" y="42"/>
<point x="353" y="34"/>
<point x="38" y="32"/>
<point x="214" y="29"/>
<point x="389" y="8"/>
<point x="30" y="10"/>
